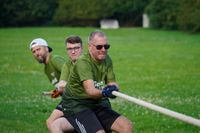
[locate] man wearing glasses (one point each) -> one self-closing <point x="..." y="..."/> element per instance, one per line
<point x="74" y="49"/>
<point x="91" y="82"/>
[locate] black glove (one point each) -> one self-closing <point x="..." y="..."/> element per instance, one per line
<point x="107" y="91"/>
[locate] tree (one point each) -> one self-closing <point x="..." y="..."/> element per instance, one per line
<point x="189" y="15"/>
<point x="163" y="13"/>
<point x="129" y="12"/>
<point x="79" y="12"/>
<point x="26" y="12"/>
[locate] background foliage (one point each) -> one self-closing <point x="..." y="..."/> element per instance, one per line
<point x="189" y="15"/>
<point x="172" y="14"/>
<point x="129" y="12"/>
<point x="164" y="14"/>
<point x="80" y="12"/>
<point x="26" y="12"/>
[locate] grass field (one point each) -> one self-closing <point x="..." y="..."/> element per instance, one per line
<point x="161" y="67"/>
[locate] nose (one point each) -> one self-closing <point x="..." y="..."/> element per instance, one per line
<point x="103" y="49"/>
<point x="73" y="51"/>
<point x="36" y="53"/>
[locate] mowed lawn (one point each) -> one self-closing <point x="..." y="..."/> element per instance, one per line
<point x="161" y="67"/>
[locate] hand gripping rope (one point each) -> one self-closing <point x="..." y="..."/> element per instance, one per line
<point x="162" y="110"/>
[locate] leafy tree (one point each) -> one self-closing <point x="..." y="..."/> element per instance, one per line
<point x="79" y="11"/>
<point x="163" y="13"/>
<point x="171" y="14"/>
<point x="26" y="12"/>
<point x="189" y="15"/>
<point x="130" y="11"/>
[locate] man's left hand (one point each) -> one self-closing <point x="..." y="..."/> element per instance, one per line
<point x="107" y="91"/>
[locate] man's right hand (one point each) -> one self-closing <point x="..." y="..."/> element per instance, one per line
<point x="55" y="93"/>
<point x="61" y="85"/>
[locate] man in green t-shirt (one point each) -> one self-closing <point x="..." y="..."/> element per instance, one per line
<point x="91" y="82"/>
<point x="53" y="65"/>
<point x="74" y="49"/>
<point x="52" y="68"/>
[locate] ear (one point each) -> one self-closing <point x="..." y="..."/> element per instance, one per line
<point x="89" y="46"/>
<point x="46" y="49"/>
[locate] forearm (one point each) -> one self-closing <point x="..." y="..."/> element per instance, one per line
<point x="94" y="93"/>
<point x="91" y="90"/>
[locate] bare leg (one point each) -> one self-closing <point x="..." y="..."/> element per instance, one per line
<point x="122" y="125"/>
<point x="61" y="125"/>
<point x="54" y="115"/>
<point x="100" y="131"/>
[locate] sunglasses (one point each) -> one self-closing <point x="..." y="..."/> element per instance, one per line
<point x="99" y="47"/>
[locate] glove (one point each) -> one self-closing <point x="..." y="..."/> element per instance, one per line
<point x="55" y="93"/>
<point x="107" y="91"/>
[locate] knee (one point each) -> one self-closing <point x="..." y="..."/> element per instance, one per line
<point x="129" y="127"/>
<point x="122" y="125"/>
<point x="52" y="127"/>
<point x="48" y="123"/>
<point x="100" y="131"/>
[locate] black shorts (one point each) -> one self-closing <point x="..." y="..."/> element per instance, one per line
<point x="91" y="121"/>
<point x="59" y="106"/>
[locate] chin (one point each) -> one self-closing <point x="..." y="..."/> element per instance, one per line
<point x="40" y="60"/>
<point x="102" y="57"/>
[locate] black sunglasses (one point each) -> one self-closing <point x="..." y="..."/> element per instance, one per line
<point x="99" y="47"/>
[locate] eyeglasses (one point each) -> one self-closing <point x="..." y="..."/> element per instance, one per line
<point x="71" y="49"/>
<point x="99" y="47"/>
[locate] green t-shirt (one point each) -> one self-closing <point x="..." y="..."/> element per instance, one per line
<point x="67" y="67"/>
<point x="75" y="98"/>
<point x="53" y="68"/>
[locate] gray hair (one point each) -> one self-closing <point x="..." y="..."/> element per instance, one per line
<point x="95" y="33"/>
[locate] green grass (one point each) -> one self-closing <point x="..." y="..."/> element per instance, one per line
<point x="161" y="67"/>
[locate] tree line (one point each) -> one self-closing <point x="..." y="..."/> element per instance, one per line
<point x="163" y="14"/>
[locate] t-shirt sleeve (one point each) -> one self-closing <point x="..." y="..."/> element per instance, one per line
<point x="58" y="63"/>
<point x="84" y="70"/>
<point x="110" y="75"/>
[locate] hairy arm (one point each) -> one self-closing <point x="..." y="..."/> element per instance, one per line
<point x="91" y="90"/>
